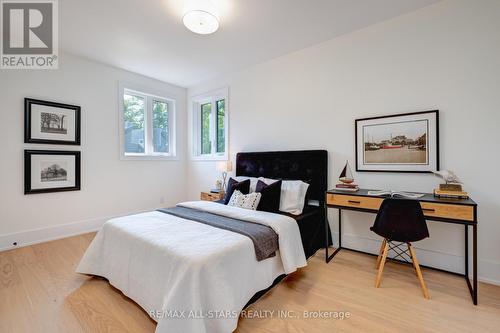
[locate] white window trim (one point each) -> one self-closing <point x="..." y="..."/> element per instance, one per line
<point x="195" y="103"/>
<point x="156" y="95"/>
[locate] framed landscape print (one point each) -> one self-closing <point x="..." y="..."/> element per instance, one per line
<point x="406" y="142"/>
<point x="51" y="171"/>
<point x="51" y="123"/>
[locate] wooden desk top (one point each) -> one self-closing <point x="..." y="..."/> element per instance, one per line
<point x="428" y="197"/>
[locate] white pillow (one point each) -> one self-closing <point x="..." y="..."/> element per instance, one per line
<point x="247" y="201"/>
<point x="253" y="182"/>
<point x="293" y="195"/>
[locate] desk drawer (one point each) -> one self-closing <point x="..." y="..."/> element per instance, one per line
<point x="448" y="211"/>
<point x="354" y="201"/>
<point x="207" y="196"/>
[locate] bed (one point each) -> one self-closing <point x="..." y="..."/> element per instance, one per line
<point x="193" y="277"/>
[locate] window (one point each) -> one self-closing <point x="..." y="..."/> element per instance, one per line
<point x="147" y="125"/>
<point x="210" y="125"/>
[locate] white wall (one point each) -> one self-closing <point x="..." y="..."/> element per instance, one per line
<point x="110" y="186"/>
<point x="445" y="56"/>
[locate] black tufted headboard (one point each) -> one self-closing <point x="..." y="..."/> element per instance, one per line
<point x="308" y="165"/>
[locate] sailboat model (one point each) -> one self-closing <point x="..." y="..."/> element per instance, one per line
<point x="346" y="174"/>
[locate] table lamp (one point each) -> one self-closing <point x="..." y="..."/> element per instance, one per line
<point x="224" y="167"/>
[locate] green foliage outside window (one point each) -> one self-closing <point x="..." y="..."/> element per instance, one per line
<point x="206" y="110"/>
<point x="160" y="127"/>
<point x="133" y="108"/>
<point x="133" y="115"/>
<point x="221" y="132"/>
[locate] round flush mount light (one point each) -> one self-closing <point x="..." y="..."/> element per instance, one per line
<point x="201" y="22"/>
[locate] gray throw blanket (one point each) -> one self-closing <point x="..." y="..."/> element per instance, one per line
<point x="264" y="238"/>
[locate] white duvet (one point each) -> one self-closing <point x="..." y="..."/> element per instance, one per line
<point x="190" y="277"/>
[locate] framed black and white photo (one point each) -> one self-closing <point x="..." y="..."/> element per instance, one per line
<point x="51" y="123"/>
<point x="51" y="171"/>
<point x="406" y="142"/>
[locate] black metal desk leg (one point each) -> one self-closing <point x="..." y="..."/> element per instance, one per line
<point x="327" y="230"/>
<point x="340" y="228"/>
<point x="474" y="261"/>
<point x="466" y="270"/>
<point x="328" y="258"/>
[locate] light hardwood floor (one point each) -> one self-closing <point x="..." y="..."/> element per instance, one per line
<point x="39" y="292"/>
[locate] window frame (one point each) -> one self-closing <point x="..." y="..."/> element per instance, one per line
<point x="196" y="102"/>
<point x="149" y="95"/>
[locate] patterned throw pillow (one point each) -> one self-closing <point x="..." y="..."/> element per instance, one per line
<point x="247" y="201"/>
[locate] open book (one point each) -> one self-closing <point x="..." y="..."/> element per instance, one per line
<point x="396" y="194"/>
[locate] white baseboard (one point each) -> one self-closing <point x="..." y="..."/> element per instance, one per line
<point x="30" y="237"/>
<point x="488" y="270"/>
<point x="35" y="236"/>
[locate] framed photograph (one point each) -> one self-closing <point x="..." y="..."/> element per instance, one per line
<point x="51" y="171"/>
<point x="51" y="123"/>
<point x="406" y="142"/>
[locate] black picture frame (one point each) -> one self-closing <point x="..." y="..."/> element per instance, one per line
<point x="29" y="102"/>
<point x="28" y="169"/>
<point x="436" y="140"/>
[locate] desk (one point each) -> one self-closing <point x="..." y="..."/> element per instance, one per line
<point x="457" y="211"/>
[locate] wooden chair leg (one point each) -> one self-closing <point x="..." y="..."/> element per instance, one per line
<point x="412" y="261"/>
<point x="382" y="246"/>
<point x="381" y="267"/>
<point x="419" y="272"/>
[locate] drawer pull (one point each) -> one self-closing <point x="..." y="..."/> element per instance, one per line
<point x="354" y="202"/>
<point x="430" y="210"/>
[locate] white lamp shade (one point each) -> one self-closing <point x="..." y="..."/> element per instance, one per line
<point x="224" y="166"/>
<point x="201" y="22"/>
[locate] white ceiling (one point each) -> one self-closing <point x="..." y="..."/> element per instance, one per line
<point x="147" y="36"/>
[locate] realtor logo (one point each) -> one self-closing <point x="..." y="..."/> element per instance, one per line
<point x="29" y="34"/>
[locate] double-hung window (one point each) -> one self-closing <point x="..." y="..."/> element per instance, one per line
<point x="147" y="124"/>
<point x="210" y="125"/>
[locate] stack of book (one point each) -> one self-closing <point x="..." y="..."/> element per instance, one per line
<point x="451" y="194"/>
<point x="451" y="191"/>
<point x="347" y="187"/>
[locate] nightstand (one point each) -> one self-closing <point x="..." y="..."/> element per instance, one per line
<point x="209" y="196"/>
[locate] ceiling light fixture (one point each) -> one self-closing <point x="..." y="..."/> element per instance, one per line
<point x="201" y="22"/>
